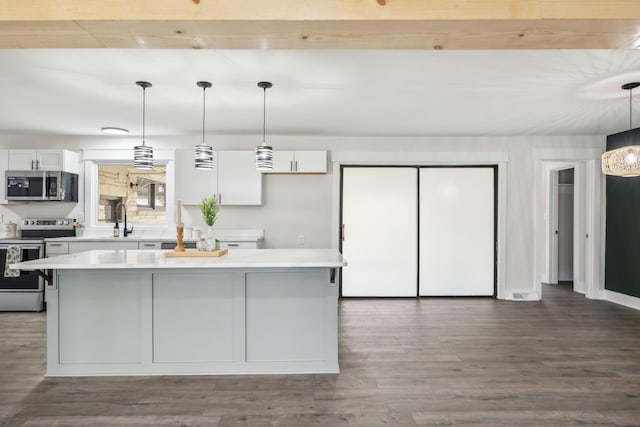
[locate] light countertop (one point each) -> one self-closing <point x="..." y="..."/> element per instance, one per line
<point x="156" y="259"/>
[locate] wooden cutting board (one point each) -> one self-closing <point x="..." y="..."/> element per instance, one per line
<point x="196" y="253"/>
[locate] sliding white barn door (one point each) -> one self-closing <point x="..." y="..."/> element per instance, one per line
<point x="379" y="214"/>
<point x="456" y="231"/>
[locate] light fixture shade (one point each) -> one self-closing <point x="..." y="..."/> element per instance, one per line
<point x="142" y="157"/>
<point x="264" y="158"/>
<point x="203" y="153"/>
<point x="143" y="154"/>
<point x="203" y="156"/>
<point x="624" y="161"/>
<point x="264" y="152"/>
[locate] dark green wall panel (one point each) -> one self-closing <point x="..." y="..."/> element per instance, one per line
<point x="622" y="254"/>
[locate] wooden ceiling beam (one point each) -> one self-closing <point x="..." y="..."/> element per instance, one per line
<point x="326" y="24"/>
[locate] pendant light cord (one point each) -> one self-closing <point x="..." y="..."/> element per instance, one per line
<point x="204" y="106"/>
<point x="144" y="103"/>
<point x="264" y="114"/>
<point x="630" y="108"/>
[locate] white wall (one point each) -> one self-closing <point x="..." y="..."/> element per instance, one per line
<point x="297" y="205"/>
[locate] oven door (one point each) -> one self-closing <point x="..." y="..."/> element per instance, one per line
<point x="25" y="185"/>
<point x="28" y="281"/>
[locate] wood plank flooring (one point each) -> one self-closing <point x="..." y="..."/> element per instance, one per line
<point x="565" y="361"/>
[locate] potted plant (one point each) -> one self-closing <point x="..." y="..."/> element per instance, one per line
<point x="209" y="208"/>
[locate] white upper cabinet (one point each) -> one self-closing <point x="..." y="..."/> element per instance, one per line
<point x="312" y="161"/>
<point x="239" y="183"/>
<point x="44" y="160"/>
<point x="193" y="185"/>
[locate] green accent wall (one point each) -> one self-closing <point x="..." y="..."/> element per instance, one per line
<point x="622" y="253"/>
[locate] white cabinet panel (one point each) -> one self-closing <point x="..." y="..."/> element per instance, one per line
<point x="239" y="183"/>
<point x="22" y="159"/>
<point x="286" y="316"/>
<point x="50" y="160"/>
<point x="310" y="161"/>
<point x="380" y="217"/>
<point x="75" y="247"/>
<point x="193" y="185"/>
<point x="241" y="245"/>
<point x="456" y="231"/>
<point x="56" y="248"/>
<point x="45" y="160"/>
<point x="282" y="162"/>
<point x="193" y="317"/>
<point x="91" y="331"/>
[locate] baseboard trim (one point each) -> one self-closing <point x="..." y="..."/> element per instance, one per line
<point x="621" y="299"/>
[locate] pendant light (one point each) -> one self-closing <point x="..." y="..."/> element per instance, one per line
<point x="264" y="152"/>
<point x="143" y="154"/>
<point x="203" y="152"/>
<point x="624" y="161"/>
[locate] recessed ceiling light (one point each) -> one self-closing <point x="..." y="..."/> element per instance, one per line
<point x="115" y="131"/>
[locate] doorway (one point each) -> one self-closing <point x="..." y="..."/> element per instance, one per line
<point x="566" y="225"/>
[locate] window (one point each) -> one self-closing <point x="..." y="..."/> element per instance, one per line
<point x="141" y="194"/>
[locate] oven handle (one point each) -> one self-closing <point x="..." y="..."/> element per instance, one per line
<point x="4" y="247"/>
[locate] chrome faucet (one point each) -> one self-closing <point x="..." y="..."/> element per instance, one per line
<point x="126" y="231"/>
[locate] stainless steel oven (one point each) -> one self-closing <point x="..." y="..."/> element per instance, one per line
<point x="26" y="291"/>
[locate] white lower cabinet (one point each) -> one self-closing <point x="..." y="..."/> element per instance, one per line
<point x="75" y="247"/>
<point x="254" y="244"/>
<point x="56" y="248"/>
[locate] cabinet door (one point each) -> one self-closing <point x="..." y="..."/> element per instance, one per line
<point x="50" y="160"/>
<point x="56" y="248"/>
<point x="22" y="160"/>
<point x="282" y="162"/>
<point x="239" y="183"/>
<point x="310" y="162"/>
<point x="193" y="185"/>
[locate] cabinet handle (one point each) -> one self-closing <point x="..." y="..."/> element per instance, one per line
<point x="55" y="245"/>
<point x="220" y="198"/>
<point x="296" y="165"/>
<point x="232" y="245"/>
<point x="149" y="245"/>
<point x="37" y="164"/>
<point x="291" y="165"/>
<point x="342" y="232"/>
<point x="32" y="168"/>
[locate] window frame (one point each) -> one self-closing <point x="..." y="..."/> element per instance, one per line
<point x="93" y="157"/>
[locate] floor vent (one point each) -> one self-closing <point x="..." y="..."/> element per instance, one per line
<point x="521" y="296"/>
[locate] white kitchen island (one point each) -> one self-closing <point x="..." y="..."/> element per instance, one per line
<point x="137" y="312"/>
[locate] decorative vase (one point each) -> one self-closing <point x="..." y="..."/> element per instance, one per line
<point x="206" y="242"/>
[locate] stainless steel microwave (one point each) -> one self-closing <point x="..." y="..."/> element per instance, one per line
<point x="42" y="186"/>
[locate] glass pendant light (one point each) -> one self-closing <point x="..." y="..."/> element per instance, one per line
<point x="624" y="161"/>
<point x="264" y="153"/>
<point x="143" y="154"/>
<point x="203" y="152"/>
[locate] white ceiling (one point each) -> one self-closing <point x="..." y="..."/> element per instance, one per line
<point x="320" y="92"/>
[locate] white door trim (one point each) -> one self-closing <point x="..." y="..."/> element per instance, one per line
<point x="593" y="184"/>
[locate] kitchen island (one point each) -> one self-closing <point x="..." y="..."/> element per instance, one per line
<point x="138" y="312"/>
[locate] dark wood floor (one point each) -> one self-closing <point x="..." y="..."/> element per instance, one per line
<point x="564" y="361"/>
